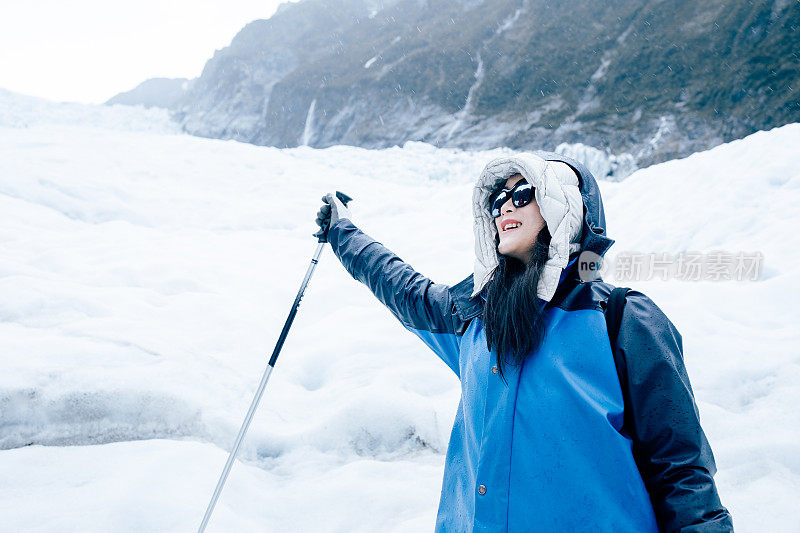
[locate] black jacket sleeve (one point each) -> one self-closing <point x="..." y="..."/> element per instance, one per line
<point x="670" y="448"/>
<point x="425" y="308"/>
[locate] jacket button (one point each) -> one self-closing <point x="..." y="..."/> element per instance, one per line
<point x="494" y="370"/>
<point x="482" y="490"/>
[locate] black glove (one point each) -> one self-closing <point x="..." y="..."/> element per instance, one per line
<point x="332" y="210"/>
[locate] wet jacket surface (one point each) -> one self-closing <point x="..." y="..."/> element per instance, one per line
<point x="548" y="451"/>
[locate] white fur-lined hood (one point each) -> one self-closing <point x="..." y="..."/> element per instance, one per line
<point x="568" y="199"/>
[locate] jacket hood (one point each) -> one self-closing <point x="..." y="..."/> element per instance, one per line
<point x="569" y="201"/>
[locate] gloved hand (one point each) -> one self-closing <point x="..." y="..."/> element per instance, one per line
<point x="331" y="211"/>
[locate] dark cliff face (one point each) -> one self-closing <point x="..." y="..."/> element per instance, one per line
<point x="656" y="79"/>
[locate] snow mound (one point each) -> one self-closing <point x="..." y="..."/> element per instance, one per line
<point x="21" y="111"/>
<point x="601" y="164"/>
<point x="737" y="196"/>
<point x="81" y="416"/>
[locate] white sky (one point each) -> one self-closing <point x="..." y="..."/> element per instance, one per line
<point x="90" y="50"/>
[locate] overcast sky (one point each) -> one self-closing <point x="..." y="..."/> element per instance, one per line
<point x="90" y="50"/>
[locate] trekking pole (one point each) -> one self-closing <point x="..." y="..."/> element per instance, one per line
<point x="257" y="398"/>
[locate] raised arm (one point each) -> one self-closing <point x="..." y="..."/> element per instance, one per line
<point x="423" y="307"/>
<point x="670" y="447"/>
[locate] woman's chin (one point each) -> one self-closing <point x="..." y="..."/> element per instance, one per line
<point x="508" y="249"/>
<point x="510" y="255"/>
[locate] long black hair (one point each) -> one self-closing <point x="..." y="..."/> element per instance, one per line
<point x="512" y="315"/>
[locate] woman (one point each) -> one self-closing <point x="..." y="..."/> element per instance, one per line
<point x="538" y="442"/>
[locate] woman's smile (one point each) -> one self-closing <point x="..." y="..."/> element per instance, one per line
<point x="509" y="224"/>
<point x="518" y="227"/>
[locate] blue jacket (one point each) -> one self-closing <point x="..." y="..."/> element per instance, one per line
<point x="548" y="451"/>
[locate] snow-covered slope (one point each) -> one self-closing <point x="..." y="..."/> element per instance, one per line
<point x="145" y="276"/>
<point x="22" y="111"/>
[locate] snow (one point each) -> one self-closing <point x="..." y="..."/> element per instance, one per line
<point x="600" y="163"/>
<point x="509" y="21"/>
<point x="146" y="275"/>
<point x="162" y="485"/>
<point x="22" y="111"/>
<point x="469" y="104"/>
<point x="308" y="128"/>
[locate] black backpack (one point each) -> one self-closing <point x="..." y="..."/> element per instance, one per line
<point x="614" y="307"/>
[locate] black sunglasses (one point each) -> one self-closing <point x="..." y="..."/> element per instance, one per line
<point x="521" y="195"/>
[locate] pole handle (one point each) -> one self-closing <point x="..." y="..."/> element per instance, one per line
<point x="343" y="198"/>
<point x="323" y="234"/>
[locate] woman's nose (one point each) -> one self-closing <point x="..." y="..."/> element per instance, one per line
<point x="507" y="207"/>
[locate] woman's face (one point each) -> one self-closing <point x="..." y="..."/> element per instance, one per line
<point x="518" y="241"/>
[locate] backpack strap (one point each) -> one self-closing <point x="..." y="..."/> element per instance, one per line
<point x="614" y="307"/>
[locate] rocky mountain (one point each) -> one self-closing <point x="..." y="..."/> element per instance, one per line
<point x="641" y="81"/>
<point x="155" y="92"/>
